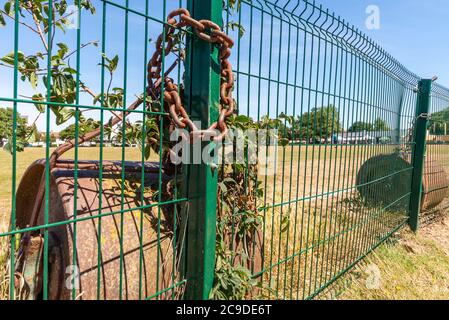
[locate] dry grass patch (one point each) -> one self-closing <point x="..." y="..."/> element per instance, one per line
<point x="407" y="267"/>
<point x="305" y="247"/>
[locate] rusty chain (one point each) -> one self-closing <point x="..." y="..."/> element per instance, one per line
<point x="172" y="99"/>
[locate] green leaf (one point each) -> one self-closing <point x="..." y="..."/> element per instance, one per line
<point x="62" y="114"/>
<point x="63" y="49"/>
<point x="60" y="25"/>
<point x="234" y="25"/>
<point x="9" y="58"/>
<point x="86" y="4"/>
<point x="33" y="80"/>
<point x="96" y="99"/>
<point x="69" y="70"/>
<point x="7" y="8"/>
<point x="242" y="119"/>
<point x="284" y="142"/>
<point x="113" y="64"/>
<point x="61" y="7"/>
<point x="285" y="224"/>
<point x="222" y="187"/>
<point x="39" y="107"/>
<point x="46" y="11"/>
<point x="147" y="151"/>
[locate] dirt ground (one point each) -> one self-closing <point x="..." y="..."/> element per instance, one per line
<point x="438" y="230"/>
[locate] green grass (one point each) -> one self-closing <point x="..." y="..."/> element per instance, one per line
<point x="24" y="159"/>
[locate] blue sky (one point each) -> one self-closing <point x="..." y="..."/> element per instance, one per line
<point x="416" y="32"/>
<point x="413" y="31"/>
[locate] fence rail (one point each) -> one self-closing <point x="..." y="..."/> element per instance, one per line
<point x="347" y="168"/>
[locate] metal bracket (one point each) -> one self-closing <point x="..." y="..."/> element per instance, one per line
<point x="424" y="115"/>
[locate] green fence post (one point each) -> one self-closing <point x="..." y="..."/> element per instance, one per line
<point x="202" y="93"/>
<point x="422" y="109"/>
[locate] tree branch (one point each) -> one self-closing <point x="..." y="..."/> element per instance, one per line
<point x="89" y="91"/>
<point x="20" y="22"/>
<point x="38" y="26"/>
<point x="81" y="47"/>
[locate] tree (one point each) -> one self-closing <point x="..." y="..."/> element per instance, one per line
<point x="43" y="137"/>
<point x="317" y="124"/>
<point x="360" y="126"/>
<point x="35" y="135"/>
<point x="6" y="130"/>
<point x="84" y="127"/>
<point x="380" y="125"/>
<point x="439" y="121"/>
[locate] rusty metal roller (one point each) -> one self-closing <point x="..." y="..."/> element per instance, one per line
<point x="149" y="263"/>
<point x="97" y="272"/>
<point x="384" y="181"/>
<point x="435" y="184"/>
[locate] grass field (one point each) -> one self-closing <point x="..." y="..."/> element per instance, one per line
<point x="310" y="207"/>
<point x="24" y="159"/>
<point x="292" y="167"/>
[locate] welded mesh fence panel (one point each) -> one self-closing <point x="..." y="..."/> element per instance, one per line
<point x="338" y="183"/>
<point x="100" y="221"/>
<point x="104" y="217"/>
<point x="438" y="131"/>
<point x="437" y="143"/>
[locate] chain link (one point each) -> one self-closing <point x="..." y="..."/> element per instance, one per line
<point x="211" y="33"/>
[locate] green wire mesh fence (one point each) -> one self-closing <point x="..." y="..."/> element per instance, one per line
<point x="98" y="224"/>
<point x="343" y="105"/>
<point x="438" y="126"/>
<point x="108" y="216"/>
<point x="437" y="143"/>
